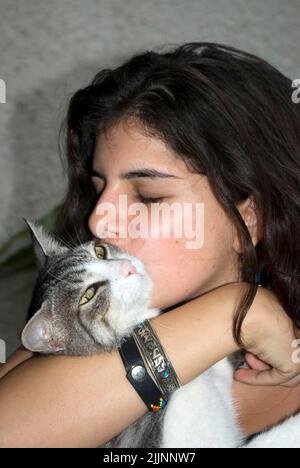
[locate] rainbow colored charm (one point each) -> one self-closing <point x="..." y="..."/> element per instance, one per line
<point x="162" y="404"/>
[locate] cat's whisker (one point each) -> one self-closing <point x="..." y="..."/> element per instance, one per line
<point x="83" y="247"/>
<point x="66" y="232"/>
<point x="65" y="242"/>
<point x="56" y="277"/>
<point x="77" y="235"/>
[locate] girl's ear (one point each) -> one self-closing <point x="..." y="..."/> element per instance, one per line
<point x="252" y="218"/>
<point x="40" y="335"/>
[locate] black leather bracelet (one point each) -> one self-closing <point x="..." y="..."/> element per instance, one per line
<point x="138" y="376"/>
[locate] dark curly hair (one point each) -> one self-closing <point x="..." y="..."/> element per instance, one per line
<point x="227" y="114"/>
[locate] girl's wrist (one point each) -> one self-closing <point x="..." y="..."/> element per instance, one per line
<point x="265" y="313"/>
<point x="198" y="334"/>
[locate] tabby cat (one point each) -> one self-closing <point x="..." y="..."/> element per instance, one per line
<point x="87" y="299"/>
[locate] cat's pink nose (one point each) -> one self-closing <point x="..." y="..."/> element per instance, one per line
<point x="127" y="269"/>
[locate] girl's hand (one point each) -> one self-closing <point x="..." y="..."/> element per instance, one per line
<point x="270" y="338"/>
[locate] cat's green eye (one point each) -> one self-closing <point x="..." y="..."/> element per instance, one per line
<point x="88" y="295"/>
<point x="91" y="291"/>
<point x="100" y="252"/>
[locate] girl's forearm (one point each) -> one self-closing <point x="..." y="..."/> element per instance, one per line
<point x="60" y="401"/>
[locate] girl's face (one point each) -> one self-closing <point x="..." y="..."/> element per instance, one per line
<point x="179" y="273"/>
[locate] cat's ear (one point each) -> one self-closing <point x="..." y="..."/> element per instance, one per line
<point x="43" y="243"/>
<point x="40" y="334"/>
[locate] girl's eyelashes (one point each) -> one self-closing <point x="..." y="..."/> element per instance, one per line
<point x="141" y="198"/>
<point x="149" y="200"/>
<point x="98" y="189"/>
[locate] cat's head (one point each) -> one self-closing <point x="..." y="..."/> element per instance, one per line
<point x="86" y="299"/>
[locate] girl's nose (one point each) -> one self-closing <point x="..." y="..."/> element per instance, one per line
<point x="104" y="229"/>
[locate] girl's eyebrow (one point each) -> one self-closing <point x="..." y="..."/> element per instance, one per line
<point x="139" y="173"/>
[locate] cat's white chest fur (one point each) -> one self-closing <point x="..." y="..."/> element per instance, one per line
<point x="201" y="413"/>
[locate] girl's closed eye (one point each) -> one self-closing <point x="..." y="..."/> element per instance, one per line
<point x="149" y="200"/>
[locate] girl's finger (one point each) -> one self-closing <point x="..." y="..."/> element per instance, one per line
<point x="295" y="382"/>
<point x="255" y="363"/>
<point x="261" y="378"/>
